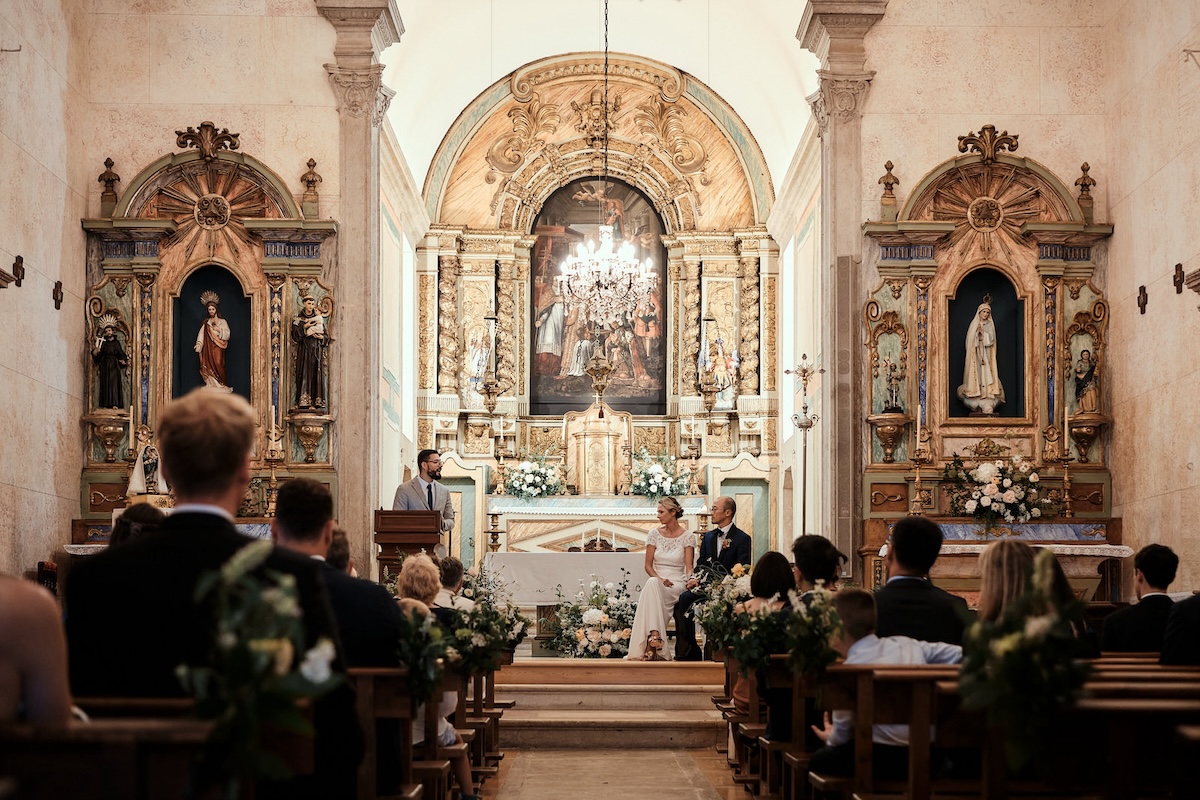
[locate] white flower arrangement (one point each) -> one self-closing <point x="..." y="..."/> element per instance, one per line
<point x="597" y="623"/>
<point x="533" y="477"/>
<point x="658" y="476"/>
<point x="995" y="491"/>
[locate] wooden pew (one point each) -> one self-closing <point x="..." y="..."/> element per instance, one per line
<point x="382" y="694"/>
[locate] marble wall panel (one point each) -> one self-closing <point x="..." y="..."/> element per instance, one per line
<point x="119" y="52"/>
<point x="255" y="8"/>
<point x="1139" y="36"/>
<point x="910" y="13"/>
<point x="1138" y="150"/>
<point x="1072" y="70"/>
<point x="1040" y="13"/>
<point x="295" y="134"/>
<point x="292" y="8"/>
<point x="291" y="75"/>
<point x="206" y="59"/>
<point x="908" y="142"/>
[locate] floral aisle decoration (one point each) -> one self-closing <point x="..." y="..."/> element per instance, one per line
<point x="658" y="476"/>
<point x="813" y="623"/>
<point x="723" y="590"/>
<point x="759" y="634"/>
<point x="477" y="639"/>
<point x="422" y="648"/>
<point x="597" y="623"/>
<point x="995" y="491"/>
<point x="532" y="477"/>
<point x="484" y="585"/>
<point x="1024" y="668"/>
<point x="259" y="670"/>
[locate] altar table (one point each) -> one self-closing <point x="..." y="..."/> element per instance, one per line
<point x="534" y="578"/>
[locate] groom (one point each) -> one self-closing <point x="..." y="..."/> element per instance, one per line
<point x="726" y="545"/>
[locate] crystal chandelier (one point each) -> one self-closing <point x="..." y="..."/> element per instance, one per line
<point x="608" y="283"/>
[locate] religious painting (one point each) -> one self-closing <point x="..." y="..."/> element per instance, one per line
<point x="569" y="328"/>
<point x="212" y="334"/>
<point x="986" y="347"/>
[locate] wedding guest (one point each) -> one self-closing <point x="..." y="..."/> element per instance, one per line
<point x="770" y="582"/>
<point x="1140" y="627"/>
<point x="131" y="617"/>
<point x="1065" y="598"/>
<point x="33" y="656"/>
<point x="1181" y="639"/>
<point x="670" y="550"/>
<point x="859" y="644"/>
<point x="908" y="604"/>
<point x="450" y="595"/>
<point x="139" y="519"/>
<point x="419" y="582"/>
<point x="338" y="554"/>
<point x="724" y="547"/>
<point x="1005" y="568"/>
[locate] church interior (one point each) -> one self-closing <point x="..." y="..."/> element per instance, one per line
<point x="872" y="240"/>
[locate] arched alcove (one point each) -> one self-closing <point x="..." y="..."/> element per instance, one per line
<point x="190" y="314"/>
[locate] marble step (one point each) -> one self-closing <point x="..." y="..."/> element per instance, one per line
<point x="611" y="729"/>
<point x="611" y="672"/>
<point x="591" y="697"/>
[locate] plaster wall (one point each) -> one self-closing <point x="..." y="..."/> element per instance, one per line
<point x="43" y="195"/>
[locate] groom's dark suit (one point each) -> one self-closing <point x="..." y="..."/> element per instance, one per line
<point x="737" y="551"/>
<point x="131" y="619"/>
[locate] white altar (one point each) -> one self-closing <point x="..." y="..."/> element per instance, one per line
<point x="556" y="524"/>
<point x="535" y="578"/>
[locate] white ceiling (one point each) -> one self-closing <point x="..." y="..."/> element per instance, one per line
<point x="744" y="50"/>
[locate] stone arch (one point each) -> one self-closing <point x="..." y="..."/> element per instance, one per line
<point x="536" y="130"/>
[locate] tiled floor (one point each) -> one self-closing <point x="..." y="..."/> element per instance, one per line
<point x="613" y="775"/>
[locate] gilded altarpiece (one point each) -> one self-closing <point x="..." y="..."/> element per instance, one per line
<point x="696" y="199"/>
<point x="984" y="339"/>
<point x="209" y="273"/>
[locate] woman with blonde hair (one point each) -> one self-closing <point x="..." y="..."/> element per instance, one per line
<point x="670" y="555"/>
<point x="1005" y="568"/>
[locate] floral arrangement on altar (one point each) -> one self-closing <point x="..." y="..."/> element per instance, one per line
<point x="658" y="476"/>
<point x="597" y="623"/>
<point x="995" y="491"/>
<point x="533" y="477"/>
<point x="724" y="591"/>
<point x="810" y="630"/>
<point x="1023" y="668"/>
<point x="254" y="682"/>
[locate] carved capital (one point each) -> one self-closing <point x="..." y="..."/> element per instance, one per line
<point x="844" y="96"/>
<point x="361" y="91"/>
<point x="816" y="101"/>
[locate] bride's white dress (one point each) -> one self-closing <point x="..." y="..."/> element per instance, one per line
<point x="657" y="602"/>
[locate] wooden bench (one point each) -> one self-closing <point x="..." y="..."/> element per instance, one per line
<point x="382" y="695"/>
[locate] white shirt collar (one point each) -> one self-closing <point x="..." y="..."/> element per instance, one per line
<point x="725" y="531"/>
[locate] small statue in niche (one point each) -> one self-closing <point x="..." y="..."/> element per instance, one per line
<point x="892" y="375"/>
<point x="111" y="360"/>
<point x="146" y="477"/>
<point x="309" y="336"/>
<point x="1087" y="384"/>
<point x="981" y="390"/>
<point x="211" y="343"/>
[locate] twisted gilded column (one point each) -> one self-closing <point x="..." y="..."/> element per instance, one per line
<point x="506" y="335"/>
<point x="448" y="271"/>
<point x="691" y="324"/>
<point x="749" y="344"/>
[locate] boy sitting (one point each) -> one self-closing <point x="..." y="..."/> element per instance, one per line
<point x="859" y="644"/>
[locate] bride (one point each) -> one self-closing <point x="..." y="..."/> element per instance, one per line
<point x="670" y="553"/>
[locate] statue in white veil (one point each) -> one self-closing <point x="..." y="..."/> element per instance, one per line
<point x="146" y="477"/>
<point x="981" y="390"/>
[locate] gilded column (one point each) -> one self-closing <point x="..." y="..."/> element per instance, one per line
<point x="448" y="271"/>
<point x="506" y="312"/>
<point x="691" y="324"/>
<point x="748" y="347"/>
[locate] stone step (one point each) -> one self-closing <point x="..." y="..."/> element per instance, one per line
<point x="566" y="697"/>
<point x="620" y="729"/>
<point x="611" y="672"/>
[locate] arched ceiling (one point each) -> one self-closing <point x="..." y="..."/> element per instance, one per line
<point x="744" y="51"/>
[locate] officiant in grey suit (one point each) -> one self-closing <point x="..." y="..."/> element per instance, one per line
<point x="425" y="493"/>
<point x="725" y="546"/>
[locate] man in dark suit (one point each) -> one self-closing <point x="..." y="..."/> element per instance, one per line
<point x="1140" y="627"/>
<point x="909" y="605"/>
<point x="726" y="545"/>
<point x="368" y="617"/>
<point x="131" y="617"/>
<point x="426" y="493"/>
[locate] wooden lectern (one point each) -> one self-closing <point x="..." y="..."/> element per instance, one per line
<point x="406" y="532"/>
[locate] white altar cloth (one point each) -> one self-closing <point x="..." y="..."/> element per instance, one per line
<point x="534" y="578"/>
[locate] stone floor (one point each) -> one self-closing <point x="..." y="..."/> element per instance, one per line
<point x="610" y="774"/>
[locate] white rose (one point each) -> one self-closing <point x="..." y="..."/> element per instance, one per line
<point x="1009" y="496"/>
<point x="985" y="502"/>
<point x="970" y="506"/>
<point x="1007" y="482"/>
<point x="1037" y="512"/>
<point x="1033" y="477"/>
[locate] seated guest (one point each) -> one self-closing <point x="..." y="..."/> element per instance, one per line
<point x="338" y="554"/>
<point x="909" y="605"/>
<point x="724" y="547"/>
<point x="449" y="596"/>
<point x="1064" y="596"/>
<point x="860" y="645"/>
<point x="1181" y="639"/>
<point x="770" y="583"/>
<point x="1140" y="627"/>
<point x="33" y="656"/>
<point x="368" y="619"/>
<point x="137" y="520"/>
<point x="131" y="617"/>
<point x="419" y="583"/>
<point x="1004" y="571"/>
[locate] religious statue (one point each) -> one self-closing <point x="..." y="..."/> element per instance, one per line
<point x="211" y="342"/>
<point x="893" y="375"/>
<point x="981" y="390"/>
<point x="1087" y="384"/>
<point x="309" y="336"/>
<point x="146" y="477"/>
<point x="111" y="360"/>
